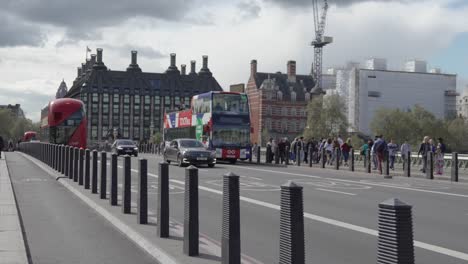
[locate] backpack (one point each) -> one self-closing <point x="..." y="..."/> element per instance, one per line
<point x="381" y="146"/>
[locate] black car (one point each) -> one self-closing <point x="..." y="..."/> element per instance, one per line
<point x="187" y="151"/>
<point x="124" y="147"/>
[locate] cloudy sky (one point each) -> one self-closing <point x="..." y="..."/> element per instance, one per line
<point x="43" y="41"/>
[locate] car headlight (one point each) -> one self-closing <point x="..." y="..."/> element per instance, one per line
<point x="135" y="148"/>
<point x="185" y="153"/>
<point x="120" y="148"/>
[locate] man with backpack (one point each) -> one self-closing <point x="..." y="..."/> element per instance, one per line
<point x="380" y="149"/>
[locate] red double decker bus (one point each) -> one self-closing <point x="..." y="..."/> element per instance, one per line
<point x="63" y="121"/>
<point x="29" y="136"/>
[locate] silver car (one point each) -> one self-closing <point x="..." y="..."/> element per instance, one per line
<point x="187" y="151"/>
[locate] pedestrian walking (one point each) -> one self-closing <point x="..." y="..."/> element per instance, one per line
<point x="1" y="146"/>
<point x="345" y="148"/>
<point x="282" y="150"/>
<point x="392" y="151"/>
<point x="293" y="150"/>
<point x="439" y="160"/>
<point x="380" y="149"/>
<point x="328" y="151"/>
<point x="11" y="147"/>
<point x="405" y="148"/>
<point x="424" y="148"/>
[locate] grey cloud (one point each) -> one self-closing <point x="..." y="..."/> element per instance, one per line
<point x="31" y="101"/>
<point x="249" y="9"/>
<point x="143" y="51"/>
<point x="14" y="32"/>
<point x="340" y="3"/>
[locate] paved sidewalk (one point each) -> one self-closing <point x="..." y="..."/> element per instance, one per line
<point x="12" y="248"/>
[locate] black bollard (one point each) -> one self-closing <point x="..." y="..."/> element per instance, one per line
<point x="292" y="248"/>
<point x="81" y="167"/>
<point x="407" y="164"/>
<point x="259" y="153"/>
<point x="66" y="164"/>
<point x="430" y="166"/>
<point x="454" y="170"/>
<point x="268" y="154"/>
<point x="324" y="158"/>
<point x="230" y="238"/>
<point x="368" y="161"/>
<point x="142" y="201"/>
<point x="351" y="159"/>
<point x="310" y="155"/>
<point x="76" y="152"/>
<point x="87" y="169"/>
<point x="103" y="182"/>
<point x="338" y="158"/>
<point x="298" y="155"/>
<point x="387" y="165"/>
<point x="191" y="236"/>
<point x="250" y="154"/>
<point x="163" y="200"/>
<point x="94" y="176"/>
<point x="286" y="154"/>
<point x="62" y="159"/>
<point x="127" y="181"/>
<point x="277" y="156"/>
<point x="113" y="180"/>
<point x="71" y="152"/>
<point x="395" y="241"/>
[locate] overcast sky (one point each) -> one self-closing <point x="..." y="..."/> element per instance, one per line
<point x="43" y="41"/>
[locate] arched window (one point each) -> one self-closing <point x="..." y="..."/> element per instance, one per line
<point x="293" y="96"/>
<point x="279" y="95"/>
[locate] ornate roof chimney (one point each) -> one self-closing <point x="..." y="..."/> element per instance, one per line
<point x="193" y="67"/>
<point x="253" y="68"/>
<point x="205" y="70"/>
<point x="172" y="66"/>
<point x="99" y="65"/>
<point x="291" y="71"/>
<point x="182" y="69"/>
<point x="133" y="67"/>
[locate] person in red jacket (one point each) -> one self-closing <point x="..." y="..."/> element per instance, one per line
<point x="345" y="148"/>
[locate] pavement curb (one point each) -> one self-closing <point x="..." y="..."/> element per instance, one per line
<point x="154" y="251"/>
<point x="12" y="243"/>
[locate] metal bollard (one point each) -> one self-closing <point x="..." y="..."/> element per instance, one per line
<point x="408" y="165"/>
<point x="191" y="236"/>
<point x="298" y="155"/>
<point x="75" y="164"/>
<point x="277" y="157"/>
<point x="80" y="165"/>
<point x="94" y="174"/>
<point x="368" y="161"/>
<point x="103" y="181"/>
<point x="430" y="166"/>
<point x="395" y="241"/>
<point x="454" y="170"/>
<point x="338" y="159"/>
<point x="291" y="243"/>
<point x="87" y="169"/>
<point x="113" y="180"/>
<point x="287" y="156"/>
<point x="310" y="156"/>
<point x="230" y="238"/>
<point x="163" y="200"/>
<point x="268" y="154"/>
<point x="250" y="154"/>
<point x="351" y="159"/>
<point x="66" y="164"/>
<point x="62" y="159"/>
<point x="56" y="156"/>
<point x="142" y="201"/>
<point x="127" y="181"/>
<point x="71" y="153"/>
<point x="324" y="158"/>
<point x="387" y="166"/>
<point x="259" y="152"/>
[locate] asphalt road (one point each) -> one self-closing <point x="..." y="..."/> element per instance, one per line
<point x="439" y="211"/>
<point x="59" y="228"/>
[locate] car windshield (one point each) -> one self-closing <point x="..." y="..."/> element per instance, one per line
<point x="191" y="144"/>
<point x="125" y="142"/>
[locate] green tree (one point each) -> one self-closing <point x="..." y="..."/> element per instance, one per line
<point x="156" y="138"/>
<point x="325" y="117"/>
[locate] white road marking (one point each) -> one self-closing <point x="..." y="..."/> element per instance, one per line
<point x="320" y="189"/>
<point x="359" y="182"/>
<point x="365" y="230"/>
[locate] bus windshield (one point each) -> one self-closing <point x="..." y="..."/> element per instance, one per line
<point x="230" y="103"/>
<point x="231" y="136"/>
<point x="62" y="133"/>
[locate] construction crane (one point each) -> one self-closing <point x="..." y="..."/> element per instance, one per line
<point x="319" y="42"/>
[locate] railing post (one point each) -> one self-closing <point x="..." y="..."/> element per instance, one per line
<point x="324" y="158"/>
<point x="291" y="242"/>
<point x="191" y="236"/>
<point x="230" y="241"/>
<point x="310" y="155"/>
<point x="76" y="152"/>
<point x="298" y="155"/>
<point x="454" y="170"/>
<point x="387" y="165"/>
<point x="351" y="159"/>
<point x="407" y="164"/>
<point x="87" y="169"/>
<point x="277" y="158"/>
<point x="113" y="180"/>
<point x="81" y="159"/>
<point x="259" y="153"/>
<point x="94" y="175"/>
<point x="338" y="158"/>
<point x="103" y="182"/>
<point x="250" y="154"/>
<point x="142" y="201"/>
<point x="268" y="154"/>
<point x="127" y="181"/>
<point x="287" y="156"/>
<point x="62" y="163"/>
<point x="430" y="165"/>
<point x="163" y="200"/>
<point x="395" y="241"/>
<point x="66" y="164"/>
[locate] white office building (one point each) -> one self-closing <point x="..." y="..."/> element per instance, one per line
<point x="462" y="104"/>
<point x="369" y="88"/>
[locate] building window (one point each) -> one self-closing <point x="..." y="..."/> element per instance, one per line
<point x="105" y="129"/>
<point x="136" y="132"/>
<point x="167" y="102"/>
<point x="146" y="132"/>
<point x="105" y="98"/>
<point x="284" y="111"/>
<point x="136" y="110"/>
<point x="126" y="120"/>
<point x="126" y="109"/>
<point x="115" y="120"/>
<point x="105" y="108"/>
<point x="116" y="99"/>
<point x="126" y="99"/>
<point x="146" y="110"/>
<point x="105" y="120"/>
<point x="125" y="132"/>
<point x="293" y="112"/>
<point x="94" y="120"/>
<point x="136" y="99"/>
<point x="136" y="120"/>
<point x="147" y="99"/>
<point x="146" y="121"/>
<point x="116" y="109"/>
<point x="95" y="98"/>
<point x="94" y="134"/>
<point x="94" y="108"/>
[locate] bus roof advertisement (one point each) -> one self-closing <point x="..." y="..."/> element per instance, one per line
<point x="185" y="118"/>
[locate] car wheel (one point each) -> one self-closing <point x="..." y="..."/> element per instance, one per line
<point x="179" y="161"/>
<point x="211" y="165"/>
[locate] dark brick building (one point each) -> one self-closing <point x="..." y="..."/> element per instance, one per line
<point x="16" y="110"/>
<point x="134" y="101"/>
<point x="278" y="102"/>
